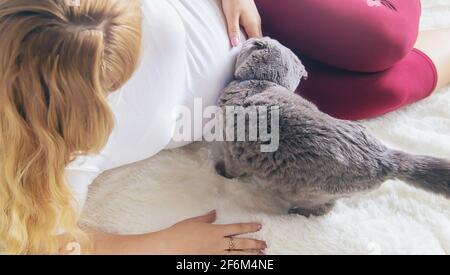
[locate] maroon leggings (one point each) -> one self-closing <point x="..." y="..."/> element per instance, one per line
<point x="359" y="53"/>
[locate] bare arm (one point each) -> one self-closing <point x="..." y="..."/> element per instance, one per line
<point x="241" y="13"/>
<point x="196" y="236"/>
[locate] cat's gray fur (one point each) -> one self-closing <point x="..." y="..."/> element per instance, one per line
<point x="320" y="159"/>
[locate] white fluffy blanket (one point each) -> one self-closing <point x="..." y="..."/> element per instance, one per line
<point x="395" y="219"/>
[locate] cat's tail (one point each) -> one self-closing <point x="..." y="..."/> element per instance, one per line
<point x="428" y="173"/>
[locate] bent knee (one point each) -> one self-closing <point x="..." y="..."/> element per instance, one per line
<point x="391" y="97"/>
<point x="394" y="92"/>
<point x="389" y="47"/>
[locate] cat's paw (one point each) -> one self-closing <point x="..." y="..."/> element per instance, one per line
<point x="222" y="171"/>
<point x="316" y="211"/>
<point x="300" y="211"/>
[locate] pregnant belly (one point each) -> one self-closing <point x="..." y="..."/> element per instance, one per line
<point x="210" y="60"/>
<point x="186" y="55"/>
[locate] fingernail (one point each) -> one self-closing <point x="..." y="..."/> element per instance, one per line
<point x="262" y="253"/>
<point x="212" y="212"/>
<point x="265" y="245"/>
<point x="259" y="226"/>
<point x="235" y="41"/>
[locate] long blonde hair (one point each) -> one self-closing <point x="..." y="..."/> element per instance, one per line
<point x="58" y="61"/>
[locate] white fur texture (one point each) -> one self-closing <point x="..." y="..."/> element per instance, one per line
<point x="396" y="219"/>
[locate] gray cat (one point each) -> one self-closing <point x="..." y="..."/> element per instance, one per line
<point x="320" y="159"/>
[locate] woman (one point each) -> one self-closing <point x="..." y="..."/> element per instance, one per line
<point x="59" y="66"/>
<point x="78" y="96"/>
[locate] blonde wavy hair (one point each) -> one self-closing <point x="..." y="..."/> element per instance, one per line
<point x="58" y="61"/>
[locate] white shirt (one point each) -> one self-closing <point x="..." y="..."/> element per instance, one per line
<point x="186" y="54"/>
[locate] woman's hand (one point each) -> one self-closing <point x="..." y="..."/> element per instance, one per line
<point x="199" y="236"/>
<point x="242" y="13"/>
<point x="196" y="236"/>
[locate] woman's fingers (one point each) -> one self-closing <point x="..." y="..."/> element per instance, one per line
<point x="233" y="28"/>
<point x="243" y="253"/>
<point x="240" y="229"/>
<point x="252" y="27"/>
<point x="241" y="13"/>
<point x="244" y="244"/>
<point x="253" y="31"/>
<point x="208" y="218"/>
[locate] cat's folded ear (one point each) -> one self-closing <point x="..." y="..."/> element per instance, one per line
<point x="260" y="44"/>
<point x="268" y="60"/>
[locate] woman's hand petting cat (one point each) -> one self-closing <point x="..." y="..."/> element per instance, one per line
<point x="241" y="13"/>
<point x="195" y="236"/>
